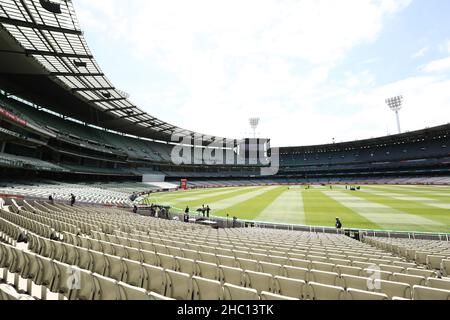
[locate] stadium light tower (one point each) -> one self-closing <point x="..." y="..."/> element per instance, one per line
<point x="254" y="123"/>
<point x="396" y="104"/>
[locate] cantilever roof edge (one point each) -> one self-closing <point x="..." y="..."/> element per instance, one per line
<point x="48" y="32"/>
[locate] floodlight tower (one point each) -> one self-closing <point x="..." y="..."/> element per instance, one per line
<point x="396" y="104"/>
<point x="254" y="123"/>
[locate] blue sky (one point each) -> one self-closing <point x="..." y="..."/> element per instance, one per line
<point x="312" y="70"/>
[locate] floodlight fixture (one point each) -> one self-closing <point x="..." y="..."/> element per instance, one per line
<point x="254" y="123"/>
<point x="396" y="104"/>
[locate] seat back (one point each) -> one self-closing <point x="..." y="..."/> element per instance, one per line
<point x="186" y="266"/>
<point x="349" y="270"/>
<point x="412" y="280"/>
<point x="167" y="261"/>
<point x="154" y="279"/>
<point x="328" y="278"/>
<point x="84" y="260"/>
<point x="355" y="282"/>
<point x="232" y="292"/>
<point x="438" y="283"/>
<point x="317" y="291"/>
<point x="99" y="263"/>
<point x="115" y="268"/>
<point x="108" y="288"/>
<point x="272" y="268"/>
<point x="297" y="273"/>
<point x="134" y="254"/>
<point x="207" y="270"/>
<point x="128" y="292"/>
<point x="71" y="254"/>
<point x="205" y="289"/>
<point x="293" y="288"/>
<point x="134" y="273"/>
<point x="355" y="294"/>
<point x="426" y="293"/>
<point x="267" y="296"/>
<point x="247" y="264"/>
<point x="227" y="261"/>
<point x="259" y="281"/>
<point x="234" y="276"/>
<point x="393" y="289"/>
<point x="322" y="266"/>
<point x="84" y="288"/>
<point x="179" y="285"/>
<point x="300" y="263"/>
<point x="150" y="258"/>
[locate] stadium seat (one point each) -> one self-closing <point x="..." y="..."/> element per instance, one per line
<point x="207" y="257"/>
<point x="438" y="283"/>
<point x="272" y="268"/>
<point x="47" y="274"/>
<point x="134" y="273"/>
<point x="297" y="273"/>
<point x="150" y="257"/>
<point x="426" y="293"/>
<point x="205" y="289"/>
<point x="95" y="245"/>
<point x="167" y="261"/>
<point x="154" y="279"/>
<point x="247" y="264"/>
<point x="234" y="276"/>
<point x="186" y="266"/>
<point x="85" y="289"/>
<point x="84" y="260"/>
<point x="318" y="291"/>
<point x="391" y="268"/>
<point x="59" y="251"/>
<point x="190" y="254"/>
<point x="115" y="268"/>
<point x="267" y="296"/>
<point x="421" y="272"/>
<point x="107" y="248"/>
<point x="323" y="277"/>
<point x="349" y="270"/>
<point x="99" y="263"/>
<point x="179" y="285"/>
<point x="393" y="289"/>
<point x="412" y="280"/>
<point x="66" y="279"/>
<point x="108" y="289"/>
<point x="371" y="272"/>
<point x="322" y="266"/>
<point x="434" y="261"/>
<point x="356" y="282"/>
<point x="207" y="270"/>
<point x="259" y="281"/>
<point x="299" y="263"/>
<point x="290" y="287"/>
<point x="156" y="296"/>
<point x="279" y="260"/>
<point x="226" y="261"/>
<point x="71" y="254"/>
<point x="445" y="268"/>
<point x="355" y="294"/>
<point x="129" y="292"/>
<point x="232" y="292"/>
<point x="134" y="254"/>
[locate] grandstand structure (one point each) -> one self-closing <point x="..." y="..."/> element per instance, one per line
<point x="61" y="119"/>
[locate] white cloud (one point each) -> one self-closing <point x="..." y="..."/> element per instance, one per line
<point x="440" y="65"/>
<point x="420" y="53"/>
<point x="269" y="58"/>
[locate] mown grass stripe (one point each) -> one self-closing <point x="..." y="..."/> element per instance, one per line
<point x="322" y="210"/>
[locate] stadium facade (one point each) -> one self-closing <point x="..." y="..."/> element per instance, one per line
<point x="62" y="118"/>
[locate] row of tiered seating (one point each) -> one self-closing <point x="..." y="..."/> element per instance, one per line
<point x="194" y="262"/>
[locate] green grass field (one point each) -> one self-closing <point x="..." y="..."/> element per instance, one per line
<point x="400" y="208"/>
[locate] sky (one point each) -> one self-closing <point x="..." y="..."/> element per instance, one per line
<point x="311" y="70"/>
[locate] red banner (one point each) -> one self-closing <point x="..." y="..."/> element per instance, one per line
<point x="183" y="184"/>
<point x="12" y="117"/>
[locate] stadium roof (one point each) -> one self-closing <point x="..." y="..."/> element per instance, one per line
<point x="45" y="59"/>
